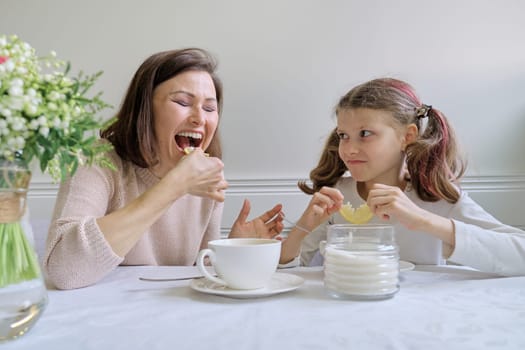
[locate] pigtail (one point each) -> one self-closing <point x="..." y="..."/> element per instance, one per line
<point x="329" y="169"/>
<point x="432" y="161"/>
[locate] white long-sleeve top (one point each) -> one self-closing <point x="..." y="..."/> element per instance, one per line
<point x="482" y="242"/>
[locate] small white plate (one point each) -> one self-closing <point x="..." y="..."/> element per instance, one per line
<point x="280" y="283"/>
<point x="405" y="266"/>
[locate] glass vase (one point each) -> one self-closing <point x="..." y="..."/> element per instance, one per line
<point x="23" y="295"/>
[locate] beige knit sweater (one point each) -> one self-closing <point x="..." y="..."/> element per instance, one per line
<point x="77" y="254"/>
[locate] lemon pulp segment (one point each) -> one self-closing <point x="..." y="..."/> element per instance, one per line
<point x="358" y="216"/>
<point x="190" y="149"/>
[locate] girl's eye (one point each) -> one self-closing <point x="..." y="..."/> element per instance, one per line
<point x="209" y="108"/>
<point x="182" y="103"/>
<point x="342" y="136"/>
<point x="365" y="133"/>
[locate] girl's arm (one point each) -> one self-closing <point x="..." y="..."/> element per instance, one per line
<point x="322" y="205"/>
<point x="471" y="236"/>
<point x="484" y="243"/>
<point x="390" y="201"/>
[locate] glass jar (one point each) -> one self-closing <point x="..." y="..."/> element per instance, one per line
<point x="361" y="262"/>
<point x="23" y="295"/>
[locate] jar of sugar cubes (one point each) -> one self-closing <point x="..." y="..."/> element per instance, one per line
<point x="361" y="262"/>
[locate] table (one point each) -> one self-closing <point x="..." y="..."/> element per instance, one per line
<point x="436" y="308"/>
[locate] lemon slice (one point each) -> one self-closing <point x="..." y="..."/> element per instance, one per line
<point x="190" y="149"/>
<point x="358" y="216"/>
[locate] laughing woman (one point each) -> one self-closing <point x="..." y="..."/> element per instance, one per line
<point x="164" y="202"/>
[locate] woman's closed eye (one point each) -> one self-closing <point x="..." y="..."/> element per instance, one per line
<point x="210" y="108"/>
<point x="182" y="103"/>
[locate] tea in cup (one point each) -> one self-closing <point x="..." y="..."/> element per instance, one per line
<point x="361" y="262"/>
<point x="241" y="263"/>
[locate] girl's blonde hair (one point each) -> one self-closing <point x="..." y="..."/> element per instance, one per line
<point x="433" y="163"/>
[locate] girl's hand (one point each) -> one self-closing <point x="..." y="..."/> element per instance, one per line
<point x="261" y="227"/>
<point x="322" y="205"/>
<point x="203" y="175"/>
<point x="388" y="202"/>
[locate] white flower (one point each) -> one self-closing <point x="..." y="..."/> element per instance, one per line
<point x="56" y="123"/>
<point x="17" y="82"/>
<point x="54" y="95"/>
<point x="5" y="112"/>
<point x="9" y="66"/>
<point x="33" y="125"/>
<point x="44" y="131"/>
<point x="16" y="91"/>
<point x="21" y="70"/>
<point x="39" y="109"/>
<point x="15" y="102"/>
<point x="16" y="142"/>
<point x="52" y="106"/>
<point x="18" y="124"/>
<point x="42" y="120"/>
<point x="31" y="92"/>
<point x="31" y="109"/>
<point x="76" y="111"/>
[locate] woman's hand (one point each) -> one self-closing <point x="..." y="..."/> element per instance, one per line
<point x="261" y="227"/>
<point x="322" y="205"/>
<point x="203" y="175"/>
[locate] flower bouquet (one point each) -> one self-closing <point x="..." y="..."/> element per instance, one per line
<point x="46" y="117"/>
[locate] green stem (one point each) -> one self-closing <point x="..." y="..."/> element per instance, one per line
<point x="18" y="261"/>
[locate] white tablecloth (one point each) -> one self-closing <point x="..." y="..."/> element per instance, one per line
<point x="436" y="308"/>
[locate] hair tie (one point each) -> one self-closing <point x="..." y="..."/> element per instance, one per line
<point x="422" y="112"/>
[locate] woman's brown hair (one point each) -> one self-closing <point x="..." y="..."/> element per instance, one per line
<point x="132" y="134"/>
<point x="433" y="163"/>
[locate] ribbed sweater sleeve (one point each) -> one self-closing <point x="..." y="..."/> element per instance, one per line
<point x="77" y="253"/>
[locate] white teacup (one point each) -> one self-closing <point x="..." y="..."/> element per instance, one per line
<point x="241" y="263"/>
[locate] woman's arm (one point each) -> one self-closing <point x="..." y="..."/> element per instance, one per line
<point x="194" y="174"/>
<point x="213" y="231"/>
<point x="77" y="253"/>
<point x="100" y="215"/>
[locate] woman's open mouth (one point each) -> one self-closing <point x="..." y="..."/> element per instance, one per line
<point x="188" y="139"/>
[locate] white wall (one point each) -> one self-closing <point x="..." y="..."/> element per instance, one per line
<point x="285" y="64"/>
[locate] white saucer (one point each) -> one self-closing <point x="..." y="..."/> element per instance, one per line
<point x="405" y="266"/>
<point x="280" y="283"/>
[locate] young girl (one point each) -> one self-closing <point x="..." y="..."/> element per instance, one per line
<point x="402" y="160"/>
